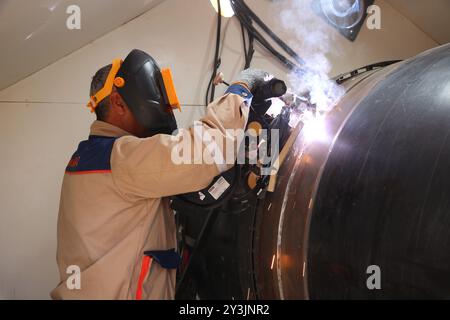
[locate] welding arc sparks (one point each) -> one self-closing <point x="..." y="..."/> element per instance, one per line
<point x="314" y="128"/>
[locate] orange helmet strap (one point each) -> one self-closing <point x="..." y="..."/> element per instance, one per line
<point x="107" y="88"/>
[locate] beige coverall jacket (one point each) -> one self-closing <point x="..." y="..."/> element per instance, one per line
<point x="114" y="205"/>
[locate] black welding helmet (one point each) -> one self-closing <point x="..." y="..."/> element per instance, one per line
<point x="147" y="90"/>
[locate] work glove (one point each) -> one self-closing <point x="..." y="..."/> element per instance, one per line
<point x="263" y="86"/>
<point x="252" y="78"/>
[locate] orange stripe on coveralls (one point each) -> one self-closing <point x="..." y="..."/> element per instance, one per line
<point x="145" y="267"/>
<point x="88" y="172"/>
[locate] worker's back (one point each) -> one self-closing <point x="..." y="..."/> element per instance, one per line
<point x="104" y="232"/>
<point x="115" y="225"/>
<point x="114" y="217"/>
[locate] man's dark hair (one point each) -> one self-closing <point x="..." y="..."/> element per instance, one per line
<point x="98" y="81"/>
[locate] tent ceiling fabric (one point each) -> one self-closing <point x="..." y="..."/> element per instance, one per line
<point x="34" y="34"/>
<point x="431" y="16"/>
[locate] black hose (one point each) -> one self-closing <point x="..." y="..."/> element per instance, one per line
<point x="340" y="79"/>
<point x="217" y="61"/>
<point x="246" y="9"/>
<point x="260" y="38"/>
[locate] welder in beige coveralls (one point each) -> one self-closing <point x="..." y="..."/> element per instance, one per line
<point x="115" y="222"/>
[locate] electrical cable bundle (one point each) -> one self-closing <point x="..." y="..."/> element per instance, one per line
<point x="248" y="19"/>
<point x="217" y="61"/>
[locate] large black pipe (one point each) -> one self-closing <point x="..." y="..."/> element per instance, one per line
<point x="384" y="194"/>
<point x="374" y="192"/>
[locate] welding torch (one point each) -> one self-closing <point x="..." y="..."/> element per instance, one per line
<point x="272" y="88"/>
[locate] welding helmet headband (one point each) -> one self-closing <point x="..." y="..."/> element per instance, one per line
<point x="148" y="92"/>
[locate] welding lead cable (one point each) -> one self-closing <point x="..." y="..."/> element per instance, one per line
<point x="243" y="16"/>
<point x="258" y="37"/>
<point x="246" y="21"/>
<point x="252" y="15"/>
<point x="217" y="60"/>
<point x="340" y="79"/>
<point x="248" y="53"/>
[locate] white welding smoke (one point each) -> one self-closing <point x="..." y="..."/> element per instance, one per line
<point x="312" y="38"/>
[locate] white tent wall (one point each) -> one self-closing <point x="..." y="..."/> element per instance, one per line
<point x="43" y="117"/>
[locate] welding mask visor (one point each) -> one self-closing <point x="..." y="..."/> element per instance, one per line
<point x="148" y="91"/>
